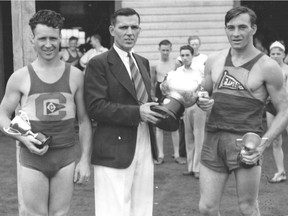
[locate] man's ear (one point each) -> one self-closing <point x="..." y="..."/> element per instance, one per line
<point x="254" y="27"/>
<point x="111" y="30"/>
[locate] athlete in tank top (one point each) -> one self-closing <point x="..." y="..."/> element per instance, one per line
<point x="233" y="98"/>
<point x="51" y="108"/>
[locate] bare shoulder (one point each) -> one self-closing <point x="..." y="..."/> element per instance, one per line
<point x="269" y="68"/>
<point x="19" y="76"/>
<point x="76" y="77"/>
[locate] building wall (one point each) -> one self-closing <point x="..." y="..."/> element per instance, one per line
<point x="176" y="20"/>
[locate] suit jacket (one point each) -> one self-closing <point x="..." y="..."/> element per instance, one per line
<point x="111" y="100"/>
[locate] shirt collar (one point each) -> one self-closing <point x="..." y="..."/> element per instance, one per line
<point x="121" y="52"/>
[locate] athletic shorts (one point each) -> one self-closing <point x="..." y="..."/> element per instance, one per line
<point x="49" y="163"/>
<point x="270" y="108"/>
<point x="220" y="151"/>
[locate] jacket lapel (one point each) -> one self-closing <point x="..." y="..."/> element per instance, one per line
<point x="120" y="72"/>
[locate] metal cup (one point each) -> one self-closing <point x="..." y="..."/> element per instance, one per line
<point x="20" y="125"/>
<point x="248" y="143"/>
<point x="181" y="91"/>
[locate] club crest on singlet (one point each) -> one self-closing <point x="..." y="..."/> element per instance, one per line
<point x="52" y="107"/>
<point x="230" y="82"/>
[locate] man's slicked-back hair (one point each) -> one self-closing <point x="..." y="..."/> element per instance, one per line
<point x="165" y="42"/>
<point x="47" y="17"/>
<point x="236" y="11"/>
<point x="187" y="47"/>
<point x="123" y="12"/>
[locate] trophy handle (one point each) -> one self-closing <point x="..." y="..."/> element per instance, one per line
<point x="24" y="116"/>
<point x="11" y="131"/>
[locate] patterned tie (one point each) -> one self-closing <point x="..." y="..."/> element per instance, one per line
<point x="139" y="85"/>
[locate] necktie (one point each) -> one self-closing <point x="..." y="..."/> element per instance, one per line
<point x="139" y="85"/>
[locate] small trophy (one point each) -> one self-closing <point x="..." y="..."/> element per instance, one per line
<point x="249" y="142"/>
<point x="180" y="90"/>
<point x="20" y="125"/>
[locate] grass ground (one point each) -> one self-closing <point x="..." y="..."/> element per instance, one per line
<point x="175" y="194"/>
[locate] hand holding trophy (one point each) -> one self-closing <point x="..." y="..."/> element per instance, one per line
<point x="20" y="125"/>
<point x="249" y="143"/>
<point x="180" y="90"/>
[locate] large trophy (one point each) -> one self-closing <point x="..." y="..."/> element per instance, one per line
<point x="180" y="90"/>
<point x="248" y="143"/>
<point x="20" y="125"/>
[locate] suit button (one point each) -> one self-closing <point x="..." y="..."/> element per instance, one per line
<point x="119" y="138"/>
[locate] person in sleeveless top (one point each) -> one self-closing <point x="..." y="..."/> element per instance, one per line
<point x="50" y="92"/>
<point x="277" y="52"/>
<point x="72" y="55"/>
<point x="239" y="80"/>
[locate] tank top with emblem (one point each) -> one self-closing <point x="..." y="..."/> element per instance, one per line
<point x="235" y="108"/>
<point x="51" y="108"/>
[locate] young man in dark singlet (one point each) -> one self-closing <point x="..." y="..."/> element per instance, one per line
<point x="50" y="92"/>
<point x="239" y="80"/>
<point x="72" y="55"/>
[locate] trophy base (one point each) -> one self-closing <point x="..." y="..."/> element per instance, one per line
<point x="169" y="122"/>
<point x="44" y="139"/>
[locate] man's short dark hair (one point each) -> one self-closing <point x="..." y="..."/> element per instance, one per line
<point x="165" y="42"/>
<point x="194" y="37"/>
<point x="123" y="12"/>
<point x="236" y="11"/>
<point x="73" y="38"/>
<point x="187" y="47"/>
<point x="47" y="17"/>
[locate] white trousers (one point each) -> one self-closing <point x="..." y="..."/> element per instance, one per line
<point x="194" y="123"/>
<point x="126" y="192"/>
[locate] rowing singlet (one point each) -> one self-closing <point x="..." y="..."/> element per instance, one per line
<point x="235" y="109"/>
<point x="51" y="108"/>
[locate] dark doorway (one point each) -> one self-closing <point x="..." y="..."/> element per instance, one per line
<point x="93" y="17"/>
<point x="6" y="28"/>
<point x="272" y="20"/>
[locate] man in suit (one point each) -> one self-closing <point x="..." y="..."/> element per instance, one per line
<point x="124" y="143"/>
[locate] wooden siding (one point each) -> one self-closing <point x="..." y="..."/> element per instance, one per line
<point x="176" y="20"/>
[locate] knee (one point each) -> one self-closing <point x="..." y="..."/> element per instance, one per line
<point x="208" y="209"/>
<point x="249" y="208"/>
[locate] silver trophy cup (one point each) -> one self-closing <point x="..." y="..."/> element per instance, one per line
<point x="248" y="143"/>
<point x="20" y="125"/>
<point x="180" y="90"/>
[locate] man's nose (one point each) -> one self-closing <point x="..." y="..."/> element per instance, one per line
<point x="48" y="43"/>
<point x="236" y="32"/>
<point x="129" y="30"/>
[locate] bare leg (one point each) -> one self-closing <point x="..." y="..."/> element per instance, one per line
<point x="212" y="186"/>
<point x="247" y="184"/>
<point x="277" y="147"/>
<point x="159" y="141"/>
<point x="175" y="142"/>
<point x="61" y="190"/>
<point x="35" y="192"/>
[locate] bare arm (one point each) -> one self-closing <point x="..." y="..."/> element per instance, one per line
<point x="9" y="104"/>
<point x="276" y="89"/>
<point x="82" y="171"/>
<point x="206" y="104"/>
